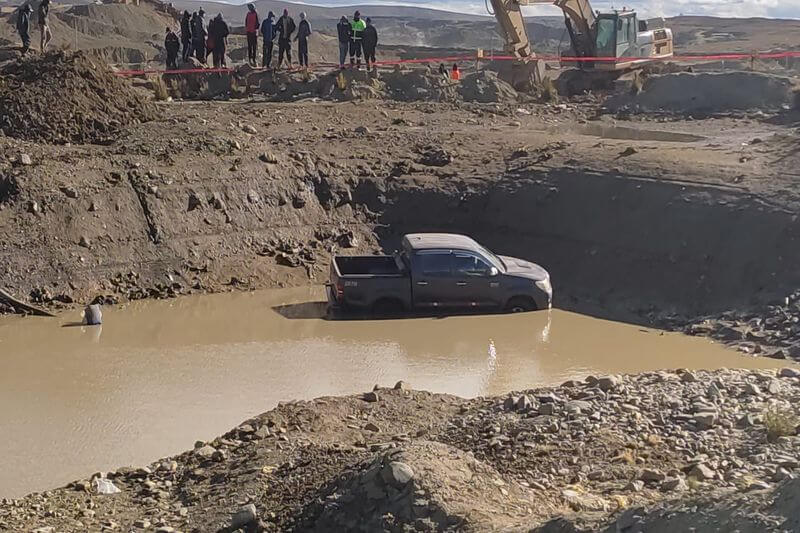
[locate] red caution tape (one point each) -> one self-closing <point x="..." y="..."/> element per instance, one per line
<point x="467" y="58"/>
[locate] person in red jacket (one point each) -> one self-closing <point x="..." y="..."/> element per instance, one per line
<point x="251" y="26"/>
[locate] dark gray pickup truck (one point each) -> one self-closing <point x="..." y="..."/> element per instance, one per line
<point x="437" y="270"/>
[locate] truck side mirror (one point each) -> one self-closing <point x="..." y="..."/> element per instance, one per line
<point x="493" y="272"/>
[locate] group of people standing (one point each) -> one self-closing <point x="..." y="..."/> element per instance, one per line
<point x="198" y="40"/>
<point x="24" y="25"/>
<point x="356" y="37"/>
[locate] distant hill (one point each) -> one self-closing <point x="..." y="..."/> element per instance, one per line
<point x="238" y="11"/>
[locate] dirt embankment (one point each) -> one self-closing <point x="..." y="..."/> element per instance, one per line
<point x="592" y="453"/>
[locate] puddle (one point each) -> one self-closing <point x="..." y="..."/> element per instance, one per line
<point x="159" y="375"/>
<point x="630" y="134"/>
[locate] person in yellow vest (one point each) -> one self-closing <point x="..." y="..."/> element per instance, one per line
<point x="357" y="25"/>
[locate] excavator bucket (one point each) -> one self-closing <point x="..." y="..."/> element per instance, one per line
<point x="527" y="75"/>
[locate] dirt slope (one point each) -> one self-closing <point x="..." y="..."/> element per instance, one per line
<point x="396" y="460"/>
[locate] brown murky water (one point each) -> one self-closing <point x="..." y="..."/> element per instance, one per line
<point x="159" y="375"/>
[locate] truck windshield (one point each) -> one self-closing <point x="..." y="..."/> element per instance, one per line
<point x="496" y="261"/>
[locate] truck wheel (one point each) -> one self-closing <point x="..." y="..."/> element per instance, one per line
<point x="520" y="304"/>
<point x="387" y="307"/>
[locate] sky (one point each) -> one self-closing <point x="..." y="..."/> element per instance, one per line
<point x="648" y="8"/>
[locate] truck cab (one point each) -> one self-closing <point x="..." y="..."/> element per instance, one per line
<point x="438" y="271"/>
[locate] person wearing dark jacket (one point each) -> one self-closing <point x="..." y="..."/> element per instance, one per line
<point x="173" y="46"/>
<point x="303" y="31"/>
<point x="369" y="42"/>
<point x="218" y="32"/>
<point x="343" y="29"/>
<point x="44" y="24"/>
<point x="268" y="35"/>
<point x="199" y="35"/>
<point x="251" y="26"/>
<point x="186" y="36"/>
<point x="24" y="27"/>
<point x="285" y="28"/>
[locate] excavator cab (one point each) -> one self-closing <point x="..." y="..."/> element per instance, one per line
<point x="622" y="36"/>
<point x="616" y="34"/>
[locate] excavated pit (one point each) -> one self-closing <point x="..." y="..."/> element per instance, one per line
<point x="617" y="246"/>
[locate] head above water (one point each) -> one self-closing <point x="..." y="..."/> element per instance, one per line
<point x="302" y="15"/>
<point x="357" y="15"/>
<point x="201" y="12"/>
<point x="270" y="15"/>
<point x="285" y="12"/>
<point x="369" y="21"/>
<point x="455" y="67"/>
<point x="251" y="7"/>
<point x="343" y="19"/>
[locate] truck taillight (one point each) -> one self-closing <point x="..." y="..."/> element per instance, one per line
<point x="339" y="290"/>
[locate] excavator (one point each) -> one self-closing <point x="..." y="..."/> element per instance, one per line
<point x="614" y="42"/>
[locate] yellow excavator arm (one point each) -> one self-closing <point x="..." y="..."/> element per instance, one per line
<point x="580" y="23"/>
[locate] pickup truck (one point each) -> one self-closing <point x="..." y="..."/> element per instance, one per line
<point x="437" y="271"/>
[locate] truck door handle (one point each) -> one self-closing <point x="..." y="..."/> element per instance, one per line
<point x="461" y="283"/>
<point x="422" y="283"/>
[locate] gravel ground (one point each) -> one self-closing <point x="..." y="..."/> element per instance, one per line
<point x="608" y="450"/>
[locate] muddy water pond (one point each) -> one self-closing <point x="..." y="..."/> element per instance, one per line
<point x="159" y="375"/>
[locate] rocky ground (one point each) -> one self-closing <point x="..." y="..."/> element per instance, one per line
<point x="631" y="453"/>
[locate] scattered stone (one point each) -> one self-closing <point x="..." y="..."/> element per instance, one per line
<point x="370" y="397"/>
<point x="401" y="385"/>
<point x="247" y="128"/>
<point x="244" y="516"/>
<point x="651" y="475"/>
<point x="369" y="426"/>
<point x="674" y="484"/>
<point x="206" y="451"/>
<point x="397" y="474"/>
<point x="701" y="472"/>
<point x="25" y="159"/>
<point x="688" y="377"/>
<point x="704" y="421"/>
<point x="789" y="373"/>
<point x="141" y="523"/>
<point x="547" y="409"/>
<point x="752" y="389"/>
<point x="85" y="242"/>
<point x="268" y="157"/>
<point x="608" y="383"/>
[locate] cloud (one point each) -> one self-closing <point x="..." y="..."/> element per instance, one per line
<point x="648" y="8"/>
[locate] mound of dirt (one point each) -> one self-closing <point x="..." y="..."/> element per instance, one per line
<point x="708" y="93"/>
<point x="485" y="87"/>
<point x="418" y="84"/>
<point x="67" y="97"/>
<point x="425" y="486"/>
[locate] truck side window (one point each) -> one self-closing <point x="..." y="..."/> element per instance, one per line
<point x="435" y="264"/>
<point x="469" y="265"/>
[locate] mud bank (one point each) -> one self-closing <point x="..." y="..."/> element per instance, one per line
<point x="395" y="459"/>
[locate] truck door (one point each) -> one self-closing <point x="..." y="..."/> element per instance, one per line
<point x="432" y="282"/>
<point x="476" y="286"/>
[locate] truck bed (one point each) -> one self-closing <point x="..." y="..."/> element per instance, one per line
<point x="367" y="265"/>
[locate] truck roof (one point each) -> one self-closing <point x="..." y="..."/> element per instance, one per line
<point x="427" y="241"/>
